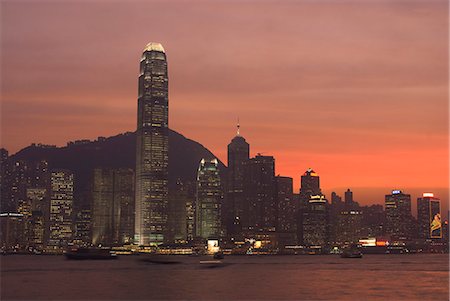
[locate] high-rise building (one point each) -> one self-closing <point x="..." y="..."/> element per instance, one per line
<point x="152" y="147"/>
<point x="398" y="215"/>
<point x="208" y="201"/>
<point x="112" y="206"/>
<point x="238" y="154"/>
<point x="429" y="216"/>
<point x="349" y="229"/>
<point x="309" y="186"/>
<point x="61" y="207"/>
<point x="348" y="197"/>
<point x="259" y="187"/>
<point x="286" y="221"/>
<point x="315" y="222"/>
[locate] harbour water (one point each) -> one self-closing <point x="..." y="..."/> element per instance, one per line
<point x="373" y="277"/>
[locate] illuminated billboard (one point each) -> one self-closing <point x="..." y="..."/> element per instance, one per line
<point x="213" y="246"/>
<point x="435" y="219"/>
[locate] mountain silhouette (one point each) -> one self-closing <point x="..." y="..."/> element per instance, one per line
<point x="118" y="152"/>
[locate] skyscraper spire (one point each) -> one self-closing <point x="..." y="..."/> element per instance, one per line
<point x="238" y="128"/>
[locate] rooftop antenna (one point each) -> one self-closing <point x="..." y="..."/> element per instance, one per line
<point x="238" y="127"/>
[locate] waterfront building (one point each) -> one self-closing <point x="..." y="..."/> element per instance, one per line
<point x="429" y="216"/>
<point x="235" y="209"/>
<point x="349" y="224"/>
<point x="398" y="215"/>
<point x="152" y="147"/>
<point x="61" y="207"/>
<point x="209" y="200"/>
<point x="315" y="222"/>
<point x="11" y="231"/>
<point x="112" y="206"/>
<point x="286" y="221"/>
<point x="259" y="187"/>
<point x="309" y="186"/>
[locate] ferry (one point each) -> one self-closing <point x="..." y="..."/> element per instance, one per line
<point x="90" y="253"/>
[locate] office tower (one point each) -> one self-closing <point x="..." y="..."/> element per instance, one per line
<point x="152" y="147"/>
<point x="259" y="187"/>
<point x="315" y="222"/>
<point x="309" y="186"/>
<point x="208" y="201"/>
<point x="398" y="215"/>
<point x="112" y="206"/>
<point x="349" y="227"/>
<point x="286" y="221"/>
<point x="178" y="212"/>
<point x="61" y="207"/>
<point x="286" y="211"/>
<point x="429" y="216"/>
<point x="40" y="216"/>
<point x="374" y="220"/>
<point x="19" y="181"/>
<point x="4" y="180"/>
<point x="335" y="199"/>
<point x="11" y="231"/>
<point x="238" y="153"/>
<point x="348" y="197"/>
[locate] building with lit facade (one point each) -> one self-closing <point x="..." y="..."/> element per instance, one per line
<point x="238" y="154"/>
<point x="315" y="222"/>
<point x="152" y="147"/>
<point x="349" y="227"/>
<point x="259" y="187"/>
<point x="398" y="215"/>
<point x="11" y="231"/>
<point x="112" y="206"/>
<point x="309" y="186"/>
<point x="208" y="200"/>
<point x="429" y="217"/>
<point x="61" y="207"/>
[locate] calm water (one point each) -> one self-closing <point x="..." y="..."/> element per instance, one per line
<point x="374" y="277"/>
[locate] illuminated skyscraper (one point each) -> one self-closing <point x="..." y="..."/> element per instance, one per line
<point x="209" y="199"/>
<point x="152" y="148"/>
<point x="398" y="214"/>
<point x="429" y="216"/>
<point x="309" y="186"/>
<point x="61" y="207"/>
<point x="238" y="153"/>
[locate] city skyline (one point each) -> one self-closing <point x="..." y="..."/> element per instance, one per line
<point x="372" y="145"/>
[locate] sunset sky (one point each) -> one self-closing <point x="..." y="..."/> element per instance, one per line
<point x="357" y="90"/>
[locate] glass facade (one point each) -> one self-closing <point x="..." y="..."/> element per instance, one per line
<point x="209" y="199"/>
<point x="152" y="148"/>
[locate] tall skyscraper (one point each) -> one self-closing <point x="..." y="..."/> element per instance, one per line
<point x="238" y="154"/>
<point x="398" y="214"/>
<point x="429" y="216"/>
<point x="315" y="222"/>
<point x="286" y="221"/>
<point x="61" y="207"/>
<point x="309" y="186"/>
<point x="209" y="199"/>
<point x="152" y="148"/>
<point x="261" y="203"/>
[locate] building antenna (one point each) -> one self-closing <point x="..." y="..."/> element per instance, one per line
<point x="238" y="127"/>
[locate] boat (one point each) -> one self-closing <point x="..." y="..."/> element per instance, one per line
<point x="351" y="252"/>
<point x="90" y="253"/>
<point x="159" y="259"/>
<point x="211" y="264"/>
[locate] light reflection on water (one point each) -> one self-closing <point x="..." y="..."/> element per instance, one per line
<point x="374" y="277"/>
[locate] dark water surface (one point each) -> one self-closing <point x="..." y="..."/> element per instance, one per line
<point x="374" y="277"/>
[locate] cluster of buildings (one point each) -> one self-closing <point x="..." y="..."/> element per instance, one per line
<point x="246" y="208"/>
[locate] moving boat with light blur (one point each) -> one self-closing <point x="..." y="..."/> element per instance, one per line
<point x="90" y="254"/>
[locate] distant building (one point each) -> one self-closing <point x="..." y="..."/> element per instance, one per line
<point x="208" y="201"/>
<point x="259" y="187"/>
<point x="373" y="222"/>
<point x="180" y="219"/>
<point x="235" y="209"/>
<point x="152" y="148"/>
<point x="398" y="215"/>
<point x="429" y="217"/>
<point x="286" y="219"/>
<point x="61" y="207"/>
<point x="348" y="197"/>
